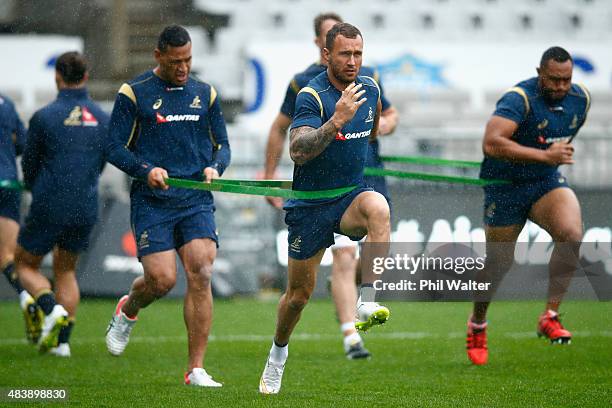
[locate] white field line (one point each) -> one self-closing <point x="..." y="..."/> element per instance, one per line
<point x="303" y="337"/>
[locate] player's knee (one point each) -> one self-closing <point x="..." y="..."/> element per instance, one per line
<point x="378" y="210"/>
<point x="298" y="299"/>
<point x="569" y="234"/>
<point x="200" y="274"/>
<point x="161" y="284"/>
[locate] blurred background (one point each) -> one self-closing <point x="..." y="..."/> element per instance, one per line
<point x="443" y="65"/>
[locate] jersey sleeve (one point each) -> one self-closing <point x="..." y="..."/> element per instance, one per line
<point x="383" y="99"/>
<point x="32" y="156"/>
<point x="19" y="132"/>
<point x="218" y="132"/>
<point x="308" y="109"/>
<point x="587" y="103"/>
<point x="122" y="131"/>
<point x="288" y="106"/>
<point x="513" y="105"/>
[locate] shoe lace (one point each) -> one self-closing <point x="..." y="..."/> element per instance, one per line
<point x="477" y="340"/>
<point x="273" y="373"/>
<point x="123" y="327"/>
<point x="551" y="323"/>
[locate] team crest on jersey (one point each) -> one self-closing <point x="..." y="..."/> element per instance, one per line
<point x="370" y="117"/>
<point x="196" y="103"/>
<point x="574" y="123"/>
<point x="543" y="124"/>
<point x="80" y="116"/>
<point x="158" y="103"/>
<point x="143" y="241"/>
<point x="297" y="244"/>
<point x="490" y="211"/>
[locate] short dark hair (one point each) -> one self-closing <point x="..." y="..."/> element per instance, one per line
<point x="344" y="29"/>
<point x="556" y="54"/>
<point x="172" y="36"/>
<point x="72" y="67"/>
<point x="318" y="21"/>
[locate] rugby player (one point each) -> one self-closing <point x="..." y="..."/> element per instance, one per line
<point x="335" y="116"/>
<point x="525" y="141"/>
<point x="166" y="123"/>
<point x="344" y="250"/>
<point x="62" y="162"/>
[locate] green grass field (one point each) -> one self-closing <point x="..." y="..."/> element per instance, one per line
<point x="418" y="359"/>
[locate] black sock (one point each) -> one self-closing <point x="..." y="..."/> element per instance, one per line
<point x="46" y="302"/>
<point x="11" y="275"/>
<point x="65" y="332"/>
<point x="279" y="345"/>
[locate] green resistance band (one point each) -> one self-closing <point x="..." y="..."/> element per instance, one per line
<point x="430" y="161"/>
<point x="11" y="184"/>
<point x="257" y="187"/>
<point x="372" y="171"/>
<point x="257" y="183"/>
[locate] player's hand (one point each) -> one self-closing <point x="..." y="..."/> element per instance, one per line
<point x="210" y="174"/>
<point x="560" y="153"/>
<point x="348" y="104"/>
<point x="275" y="202"/>
<point x="384" y="127"/>
<point x="157" y="178"/>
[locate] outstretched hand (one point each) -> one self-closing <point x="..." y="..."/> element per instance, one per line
<point x="348" y="104"/>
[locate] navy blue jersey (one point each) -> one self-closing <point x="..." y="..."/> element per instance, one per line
<point x="540" y="123"/>
<point x="178" y="128"/>
<point x="342" y="162"/>
<point x="12" y="139"/>
<point x="63" y="159"/>
<point x="302" y="79"/>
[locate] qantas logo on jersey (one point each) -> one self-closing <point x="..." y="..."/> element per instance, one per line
<point x="547" y="140"/>
<point x="357" y="135"/>
<point x="176" y="118"/>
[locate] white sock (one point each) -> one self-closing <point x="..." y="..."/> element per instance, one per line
<point x="278" y="355"/>
<point x="346" y="326"/>
<point x="23" y="298"/>
<point x="367" y="293"/>
<point x="351" y="340"/>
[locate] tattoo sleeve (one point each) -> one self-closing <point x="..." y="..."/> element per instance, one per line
<point x="306" y="143"/>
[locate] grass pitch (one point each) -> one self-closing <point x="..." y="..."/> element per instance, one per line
<point x="418" y="359"/>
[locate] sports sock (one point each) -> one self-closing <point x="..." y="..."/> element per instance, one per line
<point x="11" y="275"/>
<point x="278" y="354"/>
<point x="351" y="340"/>
<point x="367" y="293"/>
<point x="65" y="332"/>
<point x="347" y="326"/>
<point x="46" y="302"/>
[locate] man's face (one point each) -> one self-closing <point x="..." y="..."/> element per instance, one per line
<point x="326" y="25"/>
<point x="345" y="58"/>
<point x="555" y="79"/>
<point x="174" y="64"/>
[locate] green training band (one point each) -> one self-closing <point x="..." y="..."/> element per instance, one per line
<point x="430" y="161"/>
<point x="11" y="184"/>
<point x="228" y="187"/>
<point x="372" y="171"/>
<point x="257" y="183"/>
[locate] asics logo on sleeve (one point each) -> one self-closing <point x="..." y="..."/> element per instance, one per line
<point x="176" y="118"/>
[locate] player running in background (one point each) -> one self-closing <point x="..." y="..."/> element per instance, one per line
<point x="167" y="123"/>
<point x="335" y="116"/>
<point x="525" y="141"/>
<point x="344" y="250"/>
<point x="12" y="141"/>
<point x="62" y="162"/>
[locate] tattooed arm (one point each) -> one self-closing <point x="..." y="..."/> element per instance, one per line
<point x="306" y="143"/>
